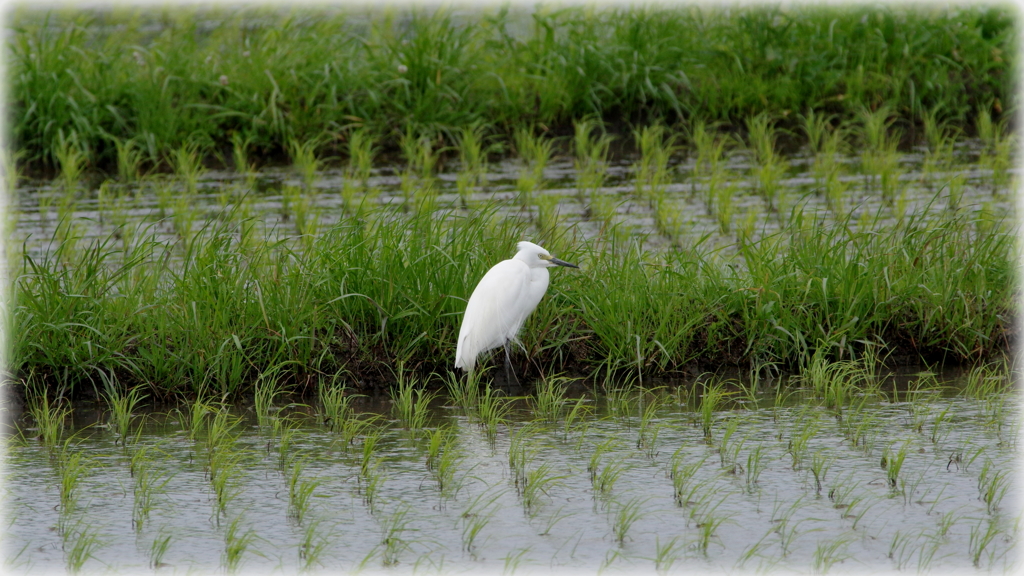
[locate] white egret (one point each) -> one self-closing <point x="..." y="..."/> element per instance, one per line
<point x="499" y="305"/>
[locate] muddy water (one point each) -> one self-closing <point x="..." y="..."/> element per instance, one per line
<point x="687" y="214"/>
<point x="934" y="518"/>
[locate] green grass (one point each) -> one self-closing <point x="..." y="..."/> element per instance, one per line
<point x="208" y="315"/>
<point x="178" y="83"/>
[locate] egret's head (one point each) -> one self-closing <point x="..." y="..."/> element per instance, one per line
<point x="535" y="256"/>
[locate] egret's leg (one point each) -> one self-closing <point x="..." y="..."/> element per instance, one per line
<point x="509" y="373"/>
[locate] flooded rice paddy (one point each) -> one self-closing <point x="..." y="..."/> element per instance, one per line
<point x="692" y="477"/>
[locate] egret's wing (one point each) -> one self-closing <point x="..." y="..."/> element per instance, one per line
<point x="494" y="312"/>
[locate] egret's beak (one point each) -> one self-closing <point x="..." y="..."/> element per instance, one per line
<point x="562" y="263"/>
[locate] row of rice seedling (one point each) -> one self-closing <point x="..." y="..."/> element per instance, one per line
<point x="130" y="89"/>
<point x="694" y="501"/>
<point x="742" y="184"/>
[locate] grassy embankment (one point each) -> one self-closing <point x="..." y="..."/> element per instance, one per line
<point x="385" y="289"/>
<point x="154" y="86"/>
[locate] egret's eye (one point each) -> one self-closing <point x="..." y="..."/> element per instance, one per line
<point x="544" y="256"/>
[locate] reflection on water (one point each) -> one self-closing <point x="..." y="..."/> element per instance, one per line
<point x="636" y="485"/>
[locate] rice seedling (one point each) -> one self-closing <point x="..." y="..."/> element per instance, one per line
<point x="755" y="465"/>
<point x="707" y="527"/>
<point x="981" y="538"/>
<point x="362" y="150"/>
<point x="577" y="420"/>
<point x="49" y="416"/>
<point x="291" y="196"/>
<point x="879" y="159"/>
<point x="714" y="393"/>
<point x="158" y="549"/>
<point x="512" y="561"/>
<point x="392" y="526"/>
<point x="857" y="510"/>
<point x="709" y="146"/>
<point x="472" y="154"/>
<point x="369" y="451"/>
<point x="493" y="409"/>
<point x="807" y="426"/>
<point x="304" y="160"/>
<point x="536" y="484"/>
<point x="236" y="544"/>
<point x="997" y="147"/>
<point x="829" y="553"/>
<point x="752" y="550"/>
<point x="184" y="215"/>
<point x="647" y="431"/>
<point x="307" y="217"/>
<point x="129" y="159"/>
<point x="770" y="166"/>
<point x="859" y="428"/>
<point x="193" y="418"/>
<point x="549" y="399"/>
<point x="784" y="526"/>
<point x="624" y="516"/>
<point x="225" y="472"/>
<point x="834" y="382"/>
<point x="71" y="468"/>
<point x="464" y="392"/>
<point x="149" y="482"/>
<point x="188" y="166"/>
<point x="591" y="157"/>
<point x="651" y="171"/>
<point x="122" y="405"/>
<point x="240" y="155"/>
<point x="892" y="462"/>
<point x="723" y="205"/>
<point x="71" y="158"/>
<point x="992" y="485"/>
<point x="940" y="427"/>
<point x="436" y="440"/>
<point x="897" y="546"/>
<point x="371" y="478"/>
<point x="266" y="390"/>
<point x="411" y="404"/>
<point x="521" y="452"/>
<point x="603" y="479"/>
<point x="82" y="545"/>
<point x="729" y="449"/>
<point x="335" y="405"/>
<point x="300" y="490"/>
<point x="594" y="464"/>
<point x="667" y="554"/>
<point x="817" y="127"/>
<point x="535" y="151"/>
<point x="420" y="156"/>
<point x="820" y="464"/>
<point x="681" y="476"/>
<point x="620" y="402"/>
<point x="476" y="517"/>
<point x="312" y="545"/>
<point x="444" y="463"/>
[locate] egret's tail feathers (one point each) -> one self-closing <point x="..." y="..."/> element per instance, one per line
<point x="464" y="358"/>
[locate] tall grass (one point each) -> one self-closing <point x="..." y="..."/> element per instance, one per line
<point x="189" y="75"/>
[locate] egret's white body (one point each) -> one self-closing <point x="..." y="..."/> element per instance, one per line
<point x="502" y="301"/>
